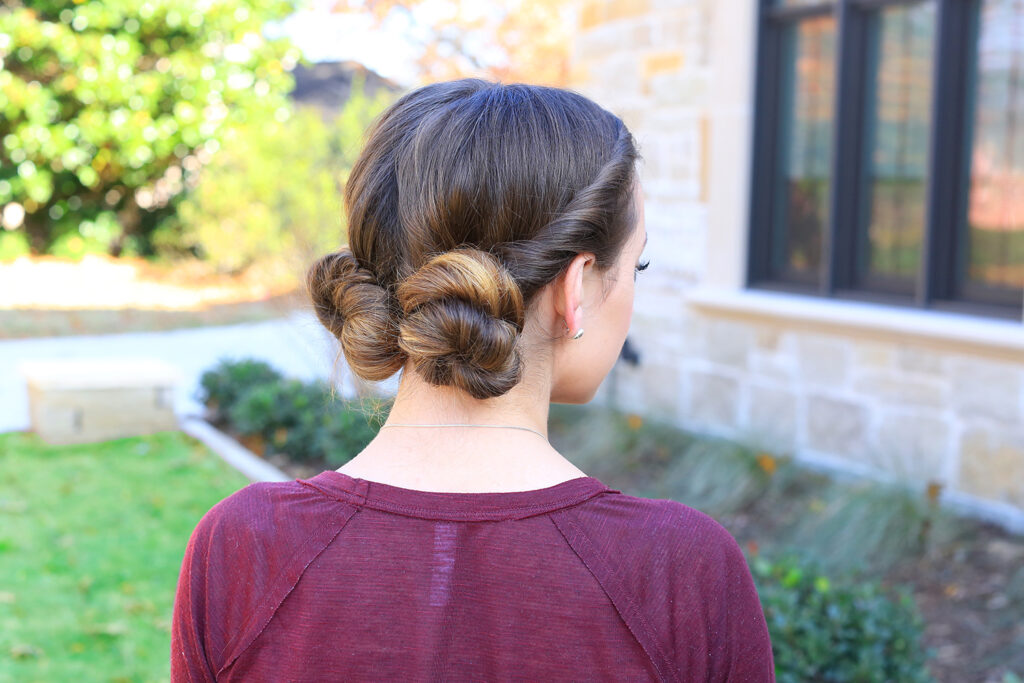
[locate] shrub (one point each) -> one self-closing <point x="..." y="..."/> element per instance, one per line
<point x="12" y="246"/>
<point x="347" y="429"/>
<point x="222" y="386"/>
<point x="273" y="191"/>
<point x="831" y="631"/>
<point x="106" y="107"/>
<point x="302" y="420"/>
<point x="287" y="413"/>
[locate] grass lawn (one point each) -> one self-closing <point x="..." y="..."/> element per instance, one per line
<point x="91" y="542"/>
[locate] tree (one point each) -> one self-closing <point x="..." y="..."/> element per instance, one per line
<point x="265" y="200"/>
<point x="109" y="107"/>
<point x="520" y="40"/>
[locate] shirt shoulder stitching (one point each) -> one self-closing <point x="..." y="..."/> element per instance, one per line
<point x="283" y="584"/>
<point x="621" y="599"/>
<point x="517" y="512"/>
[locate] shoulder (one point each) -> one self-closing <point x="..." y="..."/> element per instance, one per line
<point x="242" y="510"/>
<point x="688" y="580"/>
<point x="262" y="516"/>
<point x="660" y="527"/>
<point x="244" y="557"/>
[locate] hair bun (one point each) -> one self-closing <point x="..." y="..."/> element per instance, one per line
<point x="349" y="302"/>
<point x="464" y="313"/>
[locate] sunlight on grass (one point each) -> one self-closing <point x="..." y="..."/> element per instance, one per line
<point x="91" y="542"/>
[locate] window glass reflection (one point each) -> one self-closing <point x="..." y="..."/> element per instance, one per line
<point x="805" y="142"/>
<point x="899" y="93"/>
<point x="995" y="214"/>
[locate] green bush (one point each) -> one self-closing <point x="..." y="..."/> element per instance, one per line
<point x="13" y="245"/>
<point x="273" y="191"/>
<point x="830" y="631"/>
<point x="286" y="413"/>
<point x="108" y="106"/>
<point x="302" y="420"/>
<point x="347" y="429"/>
<point x="221" y="387"/>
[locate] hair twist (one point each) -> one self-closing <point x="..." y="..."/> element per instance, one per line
<point x="357" y="310"/>
<point x="463" y="313"/>
<point x="468" y="199"/>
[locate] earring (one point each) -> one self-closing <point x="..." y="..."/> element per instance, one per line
<point x="579" y="333"/>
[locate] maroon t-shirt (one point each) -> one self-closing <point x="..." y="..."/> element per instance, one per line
<point x="338" y="578"/>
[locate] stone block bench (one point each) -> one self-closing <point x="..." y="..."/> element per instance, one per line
<point x="96" y="399"/>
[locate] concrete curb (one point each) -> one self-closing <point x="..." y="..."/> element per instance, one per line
<point x="232" y="452"/>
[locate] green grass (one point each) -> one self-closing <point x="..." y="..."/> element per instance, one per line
<point x="91" y="542"/>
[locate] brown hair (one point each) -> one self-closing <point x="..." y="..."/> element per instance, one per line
<point x="468" y="198"/>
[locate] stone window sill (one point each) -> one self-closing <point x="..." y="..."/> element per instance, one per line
<point x="1004" y="338"/>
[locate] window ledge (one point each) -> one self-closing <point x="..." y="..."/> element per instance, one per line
<point x="944" y="328"/>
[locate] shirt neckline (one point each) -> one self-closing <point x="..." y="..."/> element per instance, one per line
<point x="482" y="506"/>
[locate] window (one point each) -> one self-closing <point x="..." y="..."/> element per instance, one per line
<point x="889" y="152"/>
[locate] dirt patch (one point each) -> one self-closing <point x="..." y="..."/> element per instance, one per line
<point x="971" y="595"/>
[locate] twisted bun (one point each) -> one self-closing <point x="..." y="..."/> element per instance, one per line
<point x="463" y="313"/>
<point x="468" y="199"/>
<point x="357" y="310"/>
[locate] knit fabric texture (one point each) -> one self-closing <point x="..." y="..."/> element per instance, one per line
<point x="339" y="578"/>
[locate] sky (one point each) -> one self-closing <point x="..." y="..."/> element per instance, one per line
<point x="325" y="36"/>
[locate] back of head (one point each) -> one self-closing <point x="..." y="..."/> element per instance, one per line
<point x="467" y="199"/>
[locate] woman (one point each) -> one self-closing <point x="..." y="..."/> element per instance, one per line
<point x="489" y="225"/>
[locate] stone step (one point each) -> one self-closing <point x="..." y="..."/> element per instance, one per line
<point x="86" y="400"/>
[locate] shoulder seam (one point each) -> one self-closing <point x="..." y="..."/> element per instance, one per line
<point x="629" y="612"/>
<point x="297" y="565"/>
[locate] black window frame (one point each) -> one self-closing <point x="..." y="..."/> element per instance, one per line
<point x="940" y="283"/>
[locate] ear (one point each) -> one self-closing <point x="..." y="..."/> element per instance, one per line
<point x="569" y="291"/>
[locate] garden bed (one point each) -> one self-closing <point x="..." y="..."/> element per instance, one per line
<point x="966" y="576"/>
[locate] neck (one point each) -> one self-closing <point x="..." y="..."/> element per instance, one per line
<point x="417" y="402"/>
<point x="464" y="459"/>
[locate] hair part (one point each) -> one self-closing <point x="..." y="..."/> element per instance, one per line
<point x="468" y="198"/>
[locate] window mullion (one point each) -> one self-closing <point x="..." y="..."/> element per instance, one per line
<point x="946" y="159"/>
<point x="840" y="239"/>
<point x="765" y="126"/>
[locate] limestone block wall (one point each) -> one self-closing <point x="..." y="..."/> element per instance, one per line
<point x="915" y="407"/>
<point x="899" y="408"/>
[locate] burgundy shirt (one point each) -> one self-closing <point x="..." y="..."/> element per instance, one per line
<point x="338" y="578"/>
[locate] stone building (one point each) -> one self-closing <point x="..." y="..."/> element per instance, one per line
<point x="835" y="210"/>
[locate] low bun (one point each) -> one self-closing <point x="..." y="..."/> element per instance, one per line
<point x="469" y="199"/>
<point x="357" y="310"/>
<point x="463" y="315"/>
